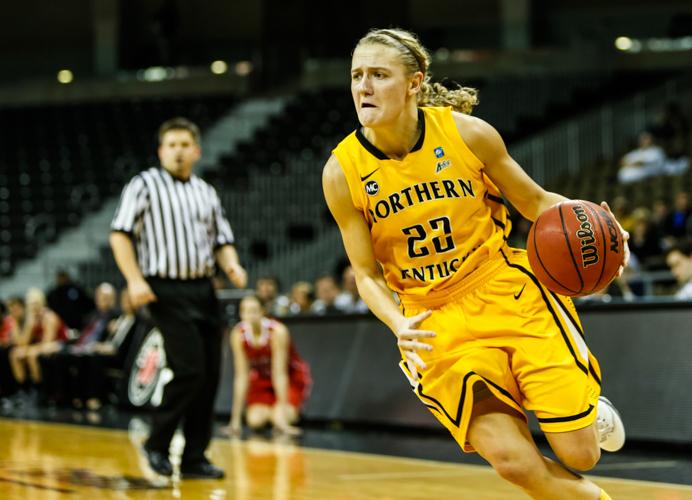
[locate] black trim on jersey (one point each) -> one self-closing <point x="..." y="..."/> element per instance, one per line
<point x="566" y="419"/>
<point x="593" y="374"/>
<point x="498" y="223"/>
<point x="431" y="407"/>
<point x="502" y="390"/>
<point x="580" y="365"/>
<point x="419" y="144"/>
<point x="566" y="311"/>
<point x="369" y="146"/>
<point x="496" y="199"/>
<point x="373" y="150"/>
<point x="457" y="420"/>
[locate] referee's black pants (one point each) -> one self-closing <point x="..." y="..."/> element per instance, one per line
<point x="189" y="317"/>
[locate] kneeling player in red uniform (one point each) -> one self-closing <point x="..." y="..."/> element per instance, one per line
<point x="269" y="375"/>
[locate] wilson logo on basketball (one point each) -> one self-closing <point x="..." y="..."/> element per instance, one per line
<point x="589" y="252"/>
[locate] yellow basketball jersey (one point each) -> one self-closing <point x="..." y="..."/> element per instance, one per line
<point x="434" y="216"/>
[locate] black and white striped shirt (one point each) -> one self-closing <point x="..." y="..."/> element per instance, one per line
<point x="175" y="225"/>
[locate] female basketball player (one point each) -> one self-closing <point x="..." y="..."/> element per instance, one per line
<point x="269" y="373"/>
<point x="417" y="194"/>
<point x="43" y="334"/>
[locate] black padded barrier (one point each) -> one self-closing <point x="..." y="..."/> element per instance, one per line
<point x="645" y="352"/>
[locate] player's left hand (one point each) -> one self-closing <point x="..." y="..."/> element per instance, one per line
<point x="409" y="340"/>
<point x="625" y="237"/>
<point x="237" y="274"/>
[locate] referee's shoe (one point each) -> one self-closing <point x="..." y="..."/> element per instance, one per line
<point x="202" y="469"/>
<point x="158" y="462"/>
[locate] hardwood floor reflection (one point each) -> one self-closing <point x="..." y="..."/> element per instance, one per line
<point x="52" y="461"/>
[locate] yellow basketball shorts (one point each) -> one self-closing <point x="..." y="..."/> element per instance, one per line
<point x="502" y="328"/>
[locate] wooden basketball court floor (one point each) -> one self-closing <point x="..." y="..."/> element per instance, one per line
<point x="41" y="460"/>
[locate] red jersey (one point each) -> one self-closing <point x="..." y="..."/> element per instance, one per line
<point x="259" y="356"/>
<point x="8" y="323"/>
<point x="37" y="332"/>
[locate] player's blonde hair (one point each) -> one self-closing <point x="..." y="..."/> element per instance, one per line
<point x="35" y="296"/>
<point x="415" y="57"/>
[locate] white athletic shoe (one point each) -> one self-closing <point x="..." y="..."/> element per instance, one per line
<point x="611" y="430"/>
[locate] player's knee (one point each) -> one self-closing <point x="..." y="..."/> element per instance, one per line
<point x="513" y="467"/>
<point x="256" y="418"/>
<point x="582" y="459"/>
<point x="288" y="412"/>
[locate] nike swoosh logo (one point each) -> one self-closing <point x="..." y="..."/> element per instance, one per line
<point x="366" y="177"/>
<point x="517" y="295"/>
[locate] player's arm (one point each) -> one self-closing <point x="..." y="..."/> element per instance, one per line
<point x="26" y="329"/>
<point x="515" y="184"/>
<point x="51" y="323"/>
<point x="125" y="258"/>
<point x="280" y="343"/>
<point x="241" y="377"/>
<point x="16" y="333"/>
<point x="371" y="285"/>
<point x="227" y="258"/>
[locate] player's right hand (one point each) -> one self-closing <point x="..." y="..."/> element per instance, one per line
<point x="625" y="239"/>
<point x="409" y="341"/>
<point x="287" y="429"/>
<point x="140" y="293"/>
<point x="233" y="429"/>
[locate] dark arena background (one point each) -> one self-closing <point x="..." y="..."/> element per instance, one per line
<point x="575" y="87"/>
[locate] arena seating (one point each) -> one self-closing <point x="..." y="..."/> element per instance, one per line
<point x="271" y="184"/>
<point x="58" y="163"/>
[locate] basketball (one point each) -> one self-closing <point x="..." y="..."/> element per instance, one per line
<point x="575" y="248"/>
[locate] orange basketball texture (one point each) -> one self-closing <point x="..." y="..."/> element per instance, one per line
<point x="575" y="248"/>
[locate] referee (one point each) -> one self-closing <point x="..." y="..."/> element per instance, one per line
<point x="168" y="234"/>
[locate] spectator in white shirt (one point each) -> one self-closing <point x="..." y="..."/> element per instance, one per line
<point x="679" y="259"/>
<point x="647" y="160"/>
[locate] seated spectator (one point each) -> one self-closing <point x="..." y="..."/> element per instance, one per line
<point x="9" y="335"/>
<point x="302" y="297"/>
<point x="672" y="130"/>
<point x="679" y="259"/>
<point x="644" y="242"/>
<point x="267" y="291"/>
<point x="349" y="299"/>
<point x="675" y="224"/>
<point x="623" y="212"/>
<point x="61" y="366"/>
<point x="89" y="378"/>
<point x="647" y="160"/>
<point x="69" y="300"/>
<point x="659" y="215"/>
<point x="269" y="375"/>
<point x="118" y="329"/>
<point x="43" y="332"/>
<point x="326" y="292"/>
